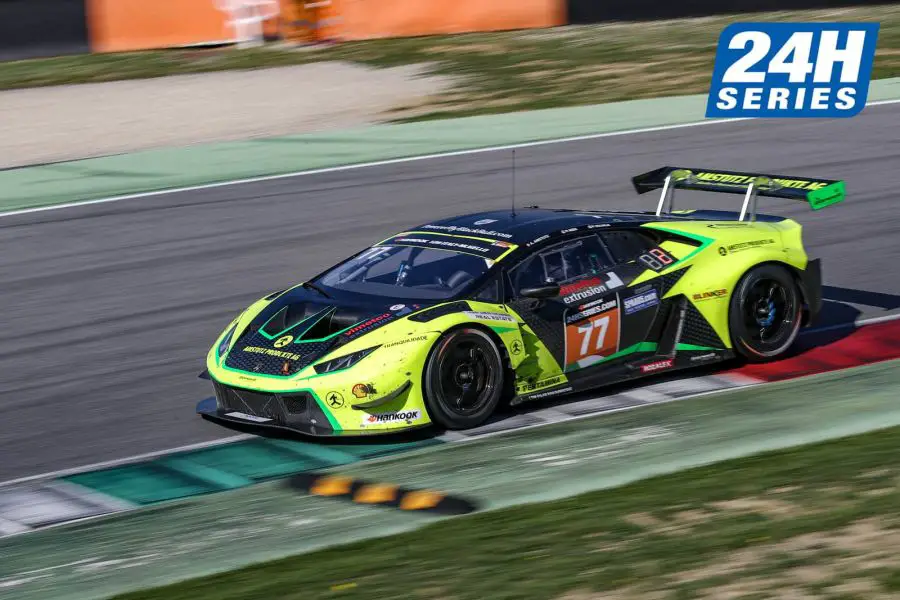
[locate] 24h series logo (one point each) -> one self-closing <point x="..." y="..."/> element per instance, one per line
<point x="792" y="70"/>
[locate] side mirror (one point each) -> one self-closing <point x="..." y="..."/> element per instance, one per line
<point x="548" y="290"/>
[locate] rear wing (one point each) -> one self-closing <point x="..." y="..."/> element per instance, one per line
<point x="819" y="193"/>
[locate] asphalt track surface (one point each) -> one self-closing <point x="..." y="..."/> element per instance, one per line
<point x="108" y="310"/>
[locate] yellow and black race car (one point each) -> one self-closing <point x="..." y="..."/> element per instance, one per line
<point x="439" y="324"/>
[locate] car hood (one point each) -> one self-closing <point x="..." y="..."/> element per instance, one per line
<point x="300" y="327"/>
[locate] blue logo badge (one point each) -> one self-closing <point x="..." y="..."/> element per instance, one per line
<point x="640" y="302"/>
<point x="792" y="70"/>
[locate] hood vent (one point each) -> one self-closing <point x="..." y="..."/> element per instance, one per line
<point x="311" y="321"/>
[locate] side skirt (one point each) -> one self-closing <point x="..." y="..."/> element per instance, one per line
<point x="665" y="359"/>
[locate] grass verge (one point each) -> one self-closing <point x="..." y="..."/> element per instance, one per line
<point x="497" y="72"/>
<point x="819" y="521"/>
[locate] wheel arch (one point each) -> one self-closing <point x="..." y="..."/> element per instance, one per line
<point x="791" y="271"/>
<point x="509" y="374"/>
<point x="806" y="295"/>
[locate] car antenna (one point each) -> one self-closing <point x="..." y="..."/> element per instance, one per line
<point x="514" y="182"/>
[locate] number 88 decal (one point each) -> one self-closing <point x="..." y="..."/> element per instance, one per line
<point x="657" y="259"/>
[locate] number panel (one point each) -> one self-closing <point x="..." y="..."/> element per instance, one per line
<point x="592" y="333"/>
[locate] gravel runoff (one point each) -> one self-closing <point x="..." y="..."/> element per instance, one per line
<point x="80" y="121"/>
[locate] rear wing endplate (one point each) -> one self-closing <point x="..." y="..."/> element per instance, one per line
<point x="819" y="193"/>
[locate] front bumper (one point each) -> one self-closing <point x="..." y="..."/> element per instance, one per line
<point x="297" y="412"/>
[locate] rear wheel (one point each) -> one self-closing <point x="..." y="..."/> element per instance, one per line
<point x="765" y="313"/>
<point x="463" y="379"/>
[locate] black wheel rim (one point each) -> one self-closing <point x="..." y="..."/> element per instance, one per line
<point x="769" y="312"/>
<point x="467" y="375"/>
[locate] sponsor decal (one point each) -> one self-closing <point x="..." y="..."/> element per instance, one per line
<point x="246" y="417"/>
<point x="597" y="308"/>
<point x="722" y="250"/>
<point x="433" y="242"/>
<point x="570" y="230"/>
<point x="552" y="392"/>
<point x="727" y="225"/>
<point x="536" y="385"/>
<point x="485" y="316"/>
<point x="656" y="259"/>
<point x="418" y="338"/>
<point x="658" y="365"/>
<point x="516" y="347"/>
<point x="745" y="245"/>
<point x="598" y="226"/>
<point x="397" y="307"/>
<point x="640" y="302"/>
<point x="502" y="244"/>
<point x="464" y="245"/>
<point x="367" y="324"/>
<point x="460" y="229"/>
<point x="704" y="357"/>
<point x="485" y="221"/>
<point x="590" y="287"/>
<point x="792" y="70"/>
<point x="286" y="368"/>
<point x="334" y="399"/>
<point x="392" y="417"/>
<point x="537" y="240"/>
<point x="361" y="390"/>
<point x="283" y="341"/>
<point x="270" y="352"/>
<point x="709" y="295"/>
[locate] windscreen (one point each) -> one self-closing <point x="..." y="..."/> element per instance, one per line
<point x="407" y="272"/>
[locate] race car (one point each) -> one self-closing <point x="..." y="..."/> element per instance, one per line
<point x="437" y="325"/>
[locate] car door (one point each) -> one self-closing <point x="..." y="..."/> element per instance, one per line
<point x="579" y="326"/>
<point x="643" y="315"/>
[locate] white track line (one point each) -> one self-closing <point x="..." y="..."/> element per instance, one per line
<point x="382" y="163"/>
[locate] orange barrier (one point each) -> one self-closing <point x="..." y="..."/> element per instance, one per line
<point x="366" y="19"/>
<point x="123" y="25"/>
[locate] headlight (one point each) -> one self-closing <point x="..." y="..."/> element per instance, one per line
<point x="226" y="341"/>
<point x="344" y="362"/>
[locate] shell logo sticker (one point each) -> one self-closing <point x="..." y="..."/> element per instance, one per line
<point x="283" y="341"/>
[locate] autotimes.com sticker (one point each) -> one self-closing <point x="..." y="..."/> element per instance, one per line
<point x="792" y="70"/>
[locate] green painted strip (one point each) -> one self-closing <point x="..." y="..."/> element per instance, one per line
<point x="142" y="484"/>
<point x="255" y="459"/>
<point x="503" y="329"/>
<point x="229" y="467"/>
<point x="212" y="477"/>
<point x="327" y="456"/>
<point x="694" y="347"/>
<point x="639" y="347"/>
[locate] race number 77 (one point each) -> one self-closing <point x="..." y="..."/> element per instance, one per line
<point x="601" y="324"/>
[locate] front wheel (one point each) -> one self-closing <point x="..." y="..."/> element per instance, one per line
<point x="463" y="379"/>
<point x="765" y="313"/>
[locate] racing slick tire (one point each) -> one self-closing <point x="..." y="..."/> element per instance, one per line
<point x="463" y="379"/>
<point x="765" y="313"/>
